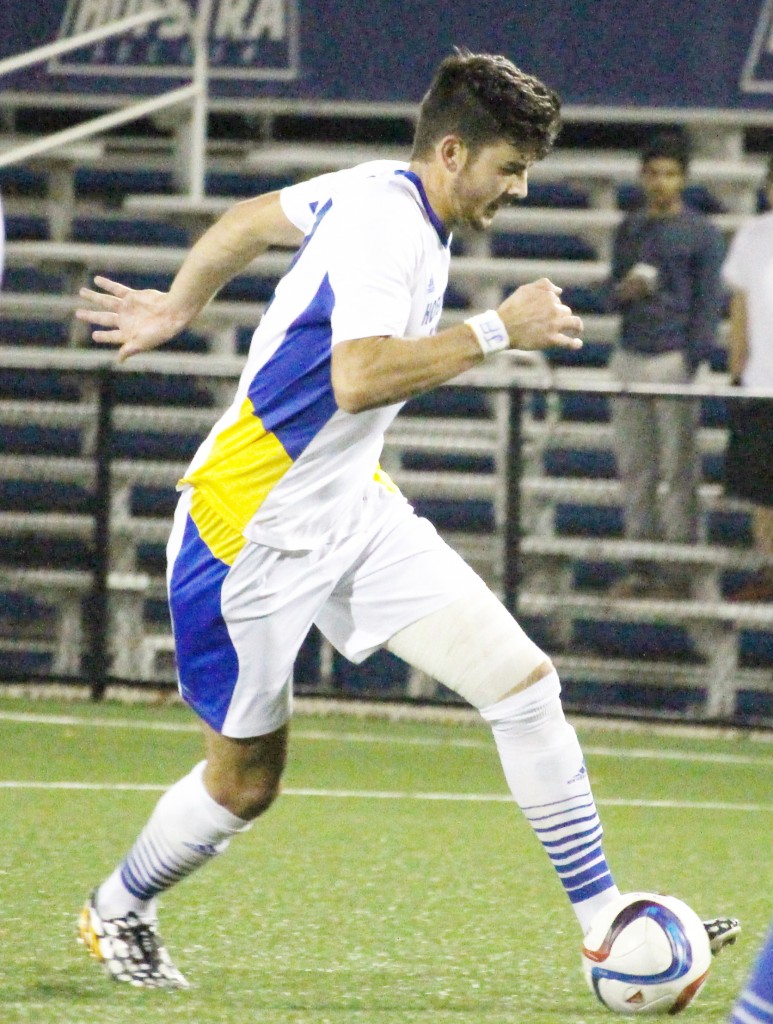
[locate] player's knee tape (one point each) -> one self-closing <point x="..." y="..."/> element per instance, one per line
<point x="529" y="714"/>
<point x="474" y="647"/>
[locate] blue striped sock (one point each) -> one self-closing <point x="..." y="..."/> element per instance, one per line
<point x="570" y="832"/>
<point x="755" y="1003"/>
<point x="186" y="829"/>
<point x="545" y="770"/>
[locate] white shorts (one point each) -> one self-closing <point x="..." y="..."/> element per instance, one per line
<point x="238" y="627"/>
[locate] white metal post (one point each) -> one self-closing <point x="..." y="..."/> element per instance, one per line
<point x="197" y="154"/>
<point x="192" y="143"/>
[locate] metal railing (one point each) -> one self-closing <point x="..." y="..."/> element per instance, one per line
<point x="196" y="94"/>
<point x="716" y="624"/>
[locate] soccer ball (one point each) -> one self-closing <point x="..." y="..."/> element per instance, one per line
<point x="646" y="953"/>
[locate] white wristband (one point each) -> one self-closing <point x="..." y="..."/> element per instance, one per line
<point x="490" y="330"/>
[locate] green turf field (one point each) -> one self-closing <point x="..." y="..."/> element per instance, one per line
<point x="393" y="881"/>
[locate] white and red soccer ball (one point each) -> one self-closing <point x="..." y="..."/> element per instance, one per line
<point x="646" y="953"/>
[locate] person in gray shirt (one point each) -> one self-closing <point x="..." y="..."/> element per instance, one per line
<point x="665" y="281"/>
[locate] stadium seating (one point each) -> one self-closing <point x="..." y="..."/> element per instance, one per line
<point x="448" y="451"/>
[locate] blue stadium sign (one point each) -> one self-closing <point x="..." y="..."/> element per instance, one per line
<point x="255" y="40"/>
<point x="610" y="53"/>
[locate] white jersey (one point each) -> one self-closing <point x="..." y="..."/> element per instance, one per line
<point x="284" y="465"/>
<point x="748" y="267"/>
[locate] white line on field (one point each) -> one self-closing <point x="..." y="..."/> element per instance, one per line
<point x="319" y="735"/>
<point x="374" y="794"/>
<point x="33" y="718"/>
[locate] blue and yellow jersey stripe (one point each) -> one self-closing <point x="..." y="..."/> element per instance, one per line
<point x="288" y="402"/>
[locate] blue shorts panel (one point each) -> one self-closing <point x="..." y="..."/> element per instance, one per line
<point x="207" y="662"/>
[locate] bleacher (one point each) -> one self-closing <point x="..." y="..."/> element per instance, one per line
<point x="123" y="216"/>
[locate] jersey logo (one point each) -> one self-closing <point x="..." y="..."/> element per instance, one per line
<point x="432" y="312"/>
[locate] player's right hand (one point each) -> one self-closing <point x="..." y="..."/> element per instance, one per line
<point x="536" y="318"/>
<point x="136" y="320"/>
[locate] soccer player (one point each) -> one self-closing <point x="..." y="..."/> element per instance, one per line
<point x="755" y="1003"/>
<point x="286" y="520"/>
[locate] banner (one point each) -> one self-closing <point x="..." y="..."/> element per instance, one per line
<point x="757" y="76"/>
<point x="249" y="41"/>
<point x="609" y="53"/>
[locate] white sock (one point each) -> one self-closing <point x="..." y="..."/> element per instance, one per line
<point x="186" y="829"/>
<point x="545" y="770"/>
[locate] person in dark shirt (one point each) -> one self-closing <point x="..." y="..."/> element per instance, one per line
<point x="665" y="281"/>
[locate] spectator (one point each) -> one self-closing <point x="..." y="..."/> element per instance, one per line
<point x="748" y="270"/>
<point x="665" y="281"/>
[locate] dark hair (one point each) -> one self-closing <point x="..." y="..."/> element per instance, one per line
<point x="484" y="98"/>
<point x="670" y="145"/>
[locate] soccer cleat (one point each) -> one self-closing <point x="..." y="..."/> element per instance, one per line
<point x="130" y="949"/>
<point x="722" y="931"/>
